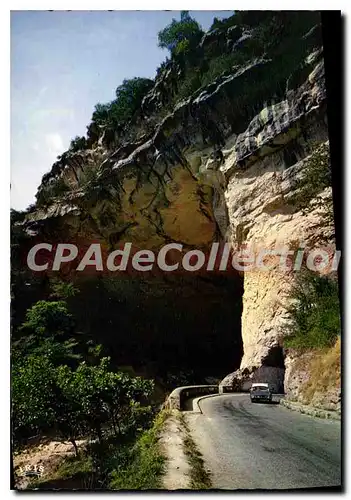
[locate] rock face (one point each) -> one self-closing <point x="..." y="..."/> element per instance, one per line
<point x="224" y="165"/>
<point x="260" y="214"/>
<point x="315" y="380"/>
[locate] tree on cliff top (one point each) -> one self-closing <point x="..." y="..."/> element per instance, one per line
<point x="187" y="29"/>
<point x="113" y="116"/>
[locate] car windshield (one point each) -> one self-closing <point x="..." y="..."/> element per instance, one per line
<point x="260" y="388"/>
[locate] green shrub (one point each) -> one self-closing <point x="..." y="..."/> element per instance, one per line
<point x="187" y="29"/>
<point x="189" y="85"/>
<point x="182" y="48"/>
<point x="51" y="191"/>
<point x="316" y="177"/>
<point x="48" y="318"/>
<point x="78" y="144"/>
<point x="217" y="66"/>
<point x="117" y="113"/>
<point x="314" y="313"/>
<point x="140" y="466"/>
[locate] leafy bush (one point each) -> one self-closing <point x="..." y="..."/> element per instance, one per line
<point x="187" y="29"/>
<point x="182" y="48"/>
<point x="140" y="467"/>
<point x="316" y="177"/>
<point x="78" y="144"/>
<point x="32" y="396"/>
<point x="47" y="331"/>
<point x="77" y="397"/>
<point x="75" y="402"/>
<point x="130" y="94"/>
<point x="134" y="463"/>
<point x="113" y="116"/>
<point x="48" y="318"/>
<point x="63" y="289"/>
<point x="314" y="313"/>
<point x="47" y="193"/>
<point x="188" y="86"/>
<point x="217" y="66"/>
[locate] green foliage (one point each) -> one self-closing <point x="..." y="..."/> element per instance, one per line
<point x="48" y="319"/>
<point x="47" y="332"/>
<point x="113" y="116"/>
<point x="39" y="402"/>
<point x="185" y="30"/>
<point x="314" y="313"/>
<point x="316" y="177"/>
<point x="182" y="48"/>
<point x="75" y="466"/>
<point x="63" y="289"/>
<point x="50" y="191"/>
<point x="189" y="85"/>
<point x="141" y="466"/>
<point x="33" y="395"/>
<point x="57" y="352"/>
<point x="199" y="477"/>
<point x="133" y="463"/>
<point x="217" y="66"/>
<point x="75" y="402"/>
<point x="78" y="144"/>
<point x="223" y="24"/>
<point x="105" y="395"/>
<point x="130" y="94"/>
<point x="277" y="36"/>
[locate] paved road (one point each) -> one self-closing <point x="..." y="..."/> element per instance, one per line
<point x="265" y="446"/>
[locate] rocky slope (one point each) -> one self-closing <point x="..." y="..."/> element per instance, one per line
<point x="223" y="165"/>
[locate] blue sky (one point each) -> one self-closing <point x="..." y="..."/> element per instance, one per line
<point x="62" y="64"/>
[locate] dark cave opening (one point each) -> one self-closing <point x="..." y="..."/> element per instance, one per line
<point x="272" y="369"/>
<point x="274" y="358"/>
<point x="183" y="329"/>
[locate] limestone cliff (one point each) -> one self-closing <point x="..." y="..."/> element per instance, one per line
<point x="224" y="164"/>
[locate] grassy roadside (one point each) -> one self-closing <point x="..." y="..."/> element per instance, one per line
<point x="199" y="478"/>
<point x="145" y="468"/>
<point x="131" y="465"/>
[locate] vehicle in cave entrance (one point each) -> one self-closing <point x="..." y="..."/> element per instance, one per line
<point x="260" y="392"/>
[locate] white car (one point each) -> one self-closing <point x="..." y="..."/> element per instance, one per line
<point x="260" y="392"/>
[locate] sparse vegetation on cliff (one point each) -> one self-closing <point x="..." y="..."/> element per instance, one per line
<point x="196" y="60"/>
<point x="111" y="118"/>
<point x="314" y="312"/>
<point x="78" y="143"/>
<point x="56" y="189"/>
<point x="324" y="373"/>
<point x="316" y="177"/>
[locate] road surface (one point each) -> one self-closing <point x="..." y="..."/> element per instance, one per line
<point x="265" y="446"/>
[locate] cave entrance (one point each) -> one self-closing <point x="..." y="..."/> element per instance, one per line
<point x="273" y="369"/>
<point x="182" y="329"/>
<point x="275" y="358"/>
